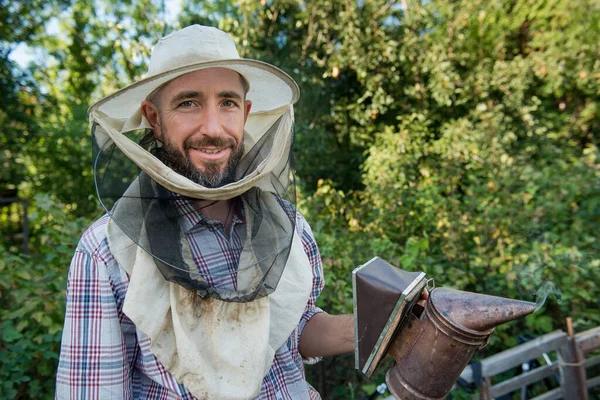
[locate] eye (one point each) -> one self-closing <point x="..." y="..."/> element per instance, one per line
<point x="229" y="103"/>
<point x="187" y="104"/>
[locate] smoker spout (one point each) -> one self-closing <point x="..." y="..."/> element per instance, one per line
<point x="478" y="312"/>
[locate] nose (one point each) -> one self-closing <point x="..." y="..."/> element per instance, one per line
<point x="211" y="124"/>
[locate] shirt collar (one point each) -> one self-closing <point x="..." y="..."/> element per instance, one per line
<point x="189" y="216"/>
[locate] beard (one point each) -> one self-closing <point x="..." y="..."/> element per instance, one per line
<point x="215" y="174"/>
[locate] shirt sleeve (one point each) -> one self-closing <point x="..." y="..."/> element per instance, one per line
<point x="93" y="357"/>
<point x="312" y="251"/>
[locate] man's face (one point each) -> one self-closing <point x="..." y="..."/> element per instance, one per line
<point x="200" y="117"/>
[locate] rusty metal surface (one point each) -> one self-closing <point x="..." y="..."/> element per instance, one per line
<point x="478" y="312"/>
<point x="432" y="351"/>
<point x="430" y="356"/>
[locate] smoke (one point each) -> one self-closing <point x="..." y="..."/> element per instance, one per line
<point x="548" y="266"/>
<point x="547" y="288"/>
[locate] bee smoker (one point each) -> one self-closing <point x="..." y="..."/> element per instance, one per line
<point x="431" y="347"/>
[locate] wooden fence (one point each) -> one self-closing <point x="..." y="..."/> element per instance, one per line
<point x="569" y="367"/>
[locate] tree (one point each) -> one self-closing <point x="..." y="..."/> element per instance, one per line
<point x="20" y="97"/>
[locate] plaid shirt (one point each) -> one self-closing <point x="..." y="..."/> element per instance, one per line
<point x="103" y="355"/>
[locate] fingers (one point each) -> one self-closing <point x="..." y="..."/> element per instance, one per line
<point x="423" y="298"/>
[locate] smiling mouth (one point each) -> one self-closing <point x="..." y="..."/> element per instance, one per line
<point x="211" y="154"/>
<point x="211" y="151"/>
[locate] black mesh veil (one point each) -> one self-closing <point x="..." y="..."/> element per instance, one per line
<point x="155" y="218"/>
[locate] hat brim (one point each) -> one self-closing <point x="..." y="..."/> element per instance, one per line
<point x="270" y="88"/>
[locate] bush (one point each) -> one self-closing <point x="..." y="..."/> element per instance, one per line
<point x="32" y="299"/>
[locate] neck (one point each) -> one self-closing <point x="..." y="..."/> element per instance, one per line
<point x="220" y="210"/>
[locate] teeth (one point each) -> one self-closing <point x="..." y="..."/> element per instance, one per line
<point x="211" y="151"/>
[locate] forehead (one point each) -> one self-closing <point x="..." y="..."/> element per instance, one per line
<point x="206" y="80"/>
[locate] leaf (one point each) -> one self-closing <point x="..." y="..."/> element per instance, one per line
<point x="10" y="334"/>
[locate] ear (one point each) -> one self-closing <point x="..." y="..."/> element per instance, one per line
<point x="247" y="107"/>
<point x="151" y="113"/>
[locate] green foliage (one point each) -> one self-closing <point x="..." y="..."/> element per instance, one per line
<point x="19" y="94"/>
<point x="32" y="299"/>
<point x="45" y="126"/>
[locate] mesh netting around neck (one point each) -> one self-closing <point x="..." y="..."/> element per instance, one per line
<point x="182" y="240"/>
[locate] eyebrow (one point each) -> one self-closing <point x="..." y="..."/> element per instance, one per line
<point x="192" y="94"/>
<point x="230" y="94"/>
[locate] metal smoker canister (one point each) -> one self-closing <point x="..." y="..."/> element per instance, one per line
<point x="432" y="351"/>
<point x="432" y="348"/>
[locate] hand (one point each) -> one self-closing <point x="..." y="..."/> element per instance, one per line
<point x="423" y="298"/>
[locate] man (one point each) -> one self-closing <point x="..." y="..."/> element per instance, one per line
<point x="201" y="280"/>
